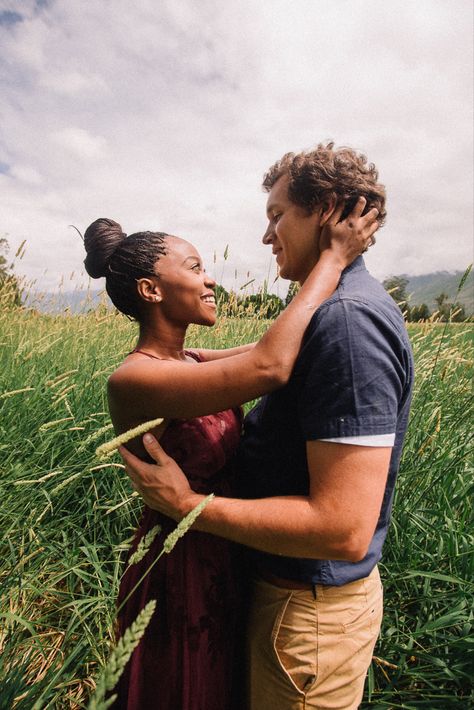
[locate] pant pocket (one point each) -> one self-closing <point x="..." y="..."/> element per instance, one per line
<point x="295" y="640"/>
<point x="365" y="617"/>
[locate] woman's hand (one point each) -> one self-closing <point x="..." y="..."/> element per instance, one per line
<point x="349" y="238"/>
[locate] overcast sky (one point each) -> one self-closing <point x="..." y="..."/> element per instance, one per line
<point x="165" y="114"/>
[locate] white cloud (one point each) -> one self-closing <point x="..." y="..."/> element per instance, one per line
<point x="165" y="115"/>
<point x="72" y="83"/>
<point x="80" y="143"/>
<point x="25" y="173"/>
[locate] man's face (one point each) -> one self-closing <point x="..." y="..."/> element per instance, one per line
<point x="293" y="234"/>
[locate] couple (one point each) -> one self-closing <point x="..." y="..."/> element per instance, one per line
<point x="307" y="492"/>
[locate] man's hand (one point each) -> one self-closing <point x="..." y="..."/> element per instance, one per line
<point x="163" y="486"/>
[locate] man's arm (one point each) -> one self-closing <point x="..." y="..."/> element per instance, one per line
<point x="336" y="521"/>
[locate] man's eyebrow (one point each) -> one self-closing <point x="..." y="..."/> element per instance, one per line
<point x="197" y="259"/>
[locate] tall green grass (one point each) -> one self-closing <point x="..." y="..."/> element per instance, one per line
<point x="67" y="519"/>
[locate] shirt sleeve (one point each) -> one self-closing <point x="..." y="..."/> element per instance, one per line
<point x="352" y="372"/>
<point x="376" y="440"/>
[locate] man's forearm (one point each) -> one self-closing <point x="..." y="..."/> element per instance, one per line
<point x="336" y="521"/>
<point x="289" y="526"/>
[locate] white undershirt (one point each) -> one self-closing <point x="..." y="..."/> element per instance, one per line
<point x="371" y="440"/>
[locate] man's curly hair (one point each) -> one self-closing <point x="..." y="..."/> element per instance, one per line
<point x="326" y="173"/>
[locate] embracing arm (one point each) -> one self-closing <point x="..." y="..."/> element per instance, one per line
<point x="206" y="355"/>
<point x="336" y="521"/>
<point x="183" y="390"/>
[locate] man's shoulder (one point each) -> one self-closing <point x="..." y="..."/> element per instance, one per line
<point x="359" y="320"/>
<point x="358" y="299"/>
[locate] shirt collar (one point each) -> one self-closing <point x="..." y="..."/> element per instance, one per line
<point x="357" y="265"/>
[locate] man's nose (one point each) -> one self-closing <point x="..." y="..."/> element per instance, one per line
<point x="268" y="236"/>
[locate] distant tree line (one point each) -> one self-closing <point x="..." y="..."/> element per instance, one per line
<point x="446" y="310"/>
<point x="268" y="305"/>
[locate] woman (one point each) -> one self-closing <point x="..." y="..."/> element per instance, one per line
<point x="186" y="658"/>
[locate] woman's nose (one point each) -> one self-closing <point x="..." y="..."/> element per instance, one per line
<point x="209" y="281"/>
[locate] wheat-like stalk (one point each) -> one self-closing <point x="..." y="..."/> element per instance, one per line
<point x="144" y="545"/>
<point x="169" y="543"/>
<point x="25" y="481"/>
<point x="95" y="434"/>
<point x="65" y="483"/>
<point x="110" y="446"/>
<point x="119" y="658"/>
<point x="50" y="425"/>
<point x="13" y="392"/>
<point x="184" y="525"/>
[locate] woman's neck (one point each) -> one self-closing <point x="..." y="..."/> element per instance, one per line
<point x="164" y="342"/>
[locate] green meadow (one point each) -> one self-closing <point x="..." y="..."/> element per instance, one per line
<point x="67" y="518"/>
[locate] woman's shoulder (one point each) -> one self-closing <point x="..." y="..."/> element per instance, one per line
<point x="122" y="375"/>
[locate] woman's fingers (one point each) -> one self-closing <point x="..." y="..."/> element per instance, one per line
<point x="358" y="208"/>
<point x="372" y="228"/>
<point x="336" y="215"/>
<point x="371" y="215"/>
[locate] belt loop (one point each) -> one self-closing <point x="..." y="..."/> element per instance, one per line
<point x="313" y="588"/>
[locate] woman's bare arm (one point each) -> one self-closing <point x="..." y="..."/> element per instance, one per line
<point x="206" y="355"/>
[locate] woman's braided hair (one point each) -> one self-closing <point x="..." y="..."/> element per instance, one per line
<point x="122" y="260"/>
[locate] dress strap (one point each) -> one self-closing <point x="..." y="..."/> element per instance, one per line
<point x="137" y="350"/>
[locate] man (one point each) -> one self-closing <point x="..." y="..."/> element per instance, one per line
<point x="318" y="459"/>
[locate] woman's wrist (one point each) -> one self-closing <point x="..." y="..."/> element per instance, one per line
<point x="332" y="259"/>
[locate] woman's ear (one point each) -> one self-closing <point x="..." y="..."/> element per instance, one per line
<point x="327" y="208"/>
<point x="148" y="290"/>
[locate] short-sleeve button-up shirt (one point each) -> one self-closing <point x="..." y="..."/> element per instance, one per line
<point x="353" y="377"/>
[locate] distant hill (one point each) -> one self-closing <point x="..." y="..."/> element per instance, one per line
<point x="422" y="289"/>
<point x="73" y="301"/>
<point x="425" y="288"/>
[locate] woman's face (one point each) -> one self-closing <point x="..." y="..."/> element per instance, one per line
<point x="187" y="292"/>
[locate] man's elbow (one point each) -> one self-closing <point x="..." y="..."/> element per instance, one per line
<point x="352" y="548"/>
<point x="356" y="553"/>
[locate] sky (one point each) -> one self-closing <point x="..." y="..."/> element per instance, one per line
<point x="165" y="114"/>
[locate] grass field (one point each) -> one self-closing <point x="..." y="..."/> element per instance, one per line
<point x="67" y="518"/>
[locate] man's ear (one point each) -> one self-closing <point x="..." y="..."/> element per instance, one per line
<point x="327" y="208"/>
<point x="149" y="290"/>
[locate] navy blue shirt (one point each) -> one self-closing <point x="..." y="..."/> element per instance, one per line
<point x="353" y="377"/>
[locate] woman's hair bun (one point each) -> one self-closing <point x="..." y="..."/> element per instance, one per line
<point x="101" y="239"/>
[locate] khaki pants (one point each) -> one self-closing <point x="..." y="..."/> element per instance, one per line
<point x="311" y="650"/>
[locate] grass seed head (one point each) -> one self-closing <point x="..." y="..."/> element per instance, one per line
<point x="109" y="447"/>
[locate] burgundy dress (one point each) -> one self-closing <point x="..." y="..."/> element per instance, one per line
<point x="188" y="657"/>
